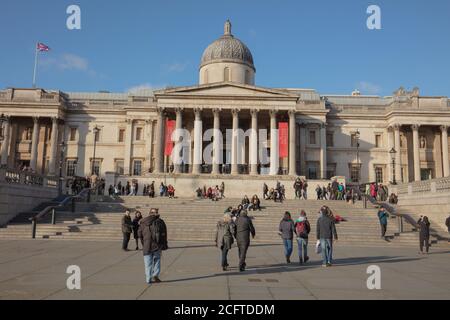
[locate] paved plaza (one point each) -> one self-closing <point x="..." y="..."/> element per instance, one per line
<point x="37" y="270"/>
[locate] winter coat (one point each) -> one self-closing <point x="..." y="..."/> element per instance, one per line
<point x="150" y="242"/>
<point x="287" y="229"/>
<point x="307" y="227"/>
<point x="424" y="229"/>
<point x="127" y="224"/>
<point x="383" y="216"/>
<point x="326" y="228"/>
<point x="244" y="227"/>
<point x="136" y="226"/>
<point x="447" y="223"/>
<point x="225" y="235"/>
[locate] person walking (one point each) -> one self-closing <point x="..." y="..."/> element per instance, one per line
<point x="286" y="231"/>
<point x="153" y="234"/>
<point x="136" y="220"/>
<point x="326" y="232"/>
<point x="265" y="191"/>
<point x="127" y="228"/>
<point x="447" y="223"/>
<point x="424" y="236"/>
<point x="302" y="229"/>
<point x="225" y="233"/>
<point x="383" y="216"/>
<point x="244" y="227"/>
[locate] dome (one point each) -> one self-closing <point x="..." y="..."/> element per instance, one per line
<point x="227" y="49"/>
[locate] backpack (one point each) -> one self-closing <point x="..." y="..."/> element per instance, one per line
<point x="301" y="229"/>
<point x="158" y="234"/>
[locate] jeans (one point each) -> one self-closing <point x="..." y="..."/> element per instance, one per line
<point x="424" y="241"/>
<point x="288" y="247"/>
<point x="327" y="250"/>
<point x="152" y="264"/>
<point x="302" y="249"/>
<point x="126" y="239"/>
<point x="224" y="257"/>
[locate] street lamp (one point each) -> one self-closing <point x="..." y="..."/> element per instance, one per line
<point x="61" y="159"/>
<point x="96" y="131"/>
<point x="392" y="152"/>
<point x="357" y="136"/>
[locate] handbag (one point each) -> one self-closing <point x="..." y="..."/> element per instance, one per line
<point x="318" y="247"/>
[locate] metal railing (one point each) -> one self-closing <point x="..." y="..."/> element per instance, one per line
<point x="85" y="193"/>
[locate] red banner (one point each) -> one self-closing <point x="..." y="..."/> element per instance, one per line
<point x="283" y="139"/>
<point x="170" y="127"/>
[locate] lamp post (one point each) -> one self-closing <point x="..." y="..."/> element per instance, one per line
<point x="357" y="136"/>
<point x="392" y="152"/>
<point x="61" y="159"/>
<point x="95" y="130"/>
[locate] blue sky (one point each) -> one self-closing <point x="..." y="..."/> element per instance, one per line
<point x="324" y="45"/>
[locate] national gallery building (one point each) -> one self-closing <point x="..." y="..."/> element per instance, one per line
<point x="402" y="138"/>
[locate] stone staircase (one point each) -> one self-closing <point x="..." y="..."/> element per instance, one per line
<point x="195" y="220"/>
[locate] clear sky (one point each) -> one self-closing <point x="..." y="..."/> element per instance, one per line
<point x="324" y="45"/>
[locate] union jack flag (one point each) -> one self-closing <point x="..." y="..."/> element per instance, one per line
<point x="42" y="47"/>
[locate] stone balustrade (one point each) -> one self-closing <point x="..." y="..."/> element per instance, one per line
<point x="12" y="176"/>
<point x="422" y="187"/>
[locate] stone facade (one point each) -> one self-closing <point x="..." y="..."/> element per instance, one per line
<point x="329" y="135"/>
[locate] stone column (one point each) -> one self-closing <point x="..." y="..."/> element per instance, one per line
<point x="5" y="142"/>
<point x="217" y="150"/>
<point x="303" y="149"/>
<point x="398" y="166"/>
<point x="234" y="142"/>
<point x="53" y="147"/>
<point x="178" y="126"/>
<point x="148" y="143"/>
<point x="159" y="160"/>
<point x="34" y="144"/>
<point x="292" y="144"/>
<point x="390" y="135"/>
<point x="274" y="148"/>
<point x="198" y="136"/>
<point x="254" y="143"/>
<point x="415" y="130"/>
<point x="128" y="146"/>
<point x="446" y="166"/>
<point x="323" y="151"/>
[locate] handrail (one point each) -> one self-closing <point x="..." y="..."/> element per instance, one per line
<point x="63" y="203"/>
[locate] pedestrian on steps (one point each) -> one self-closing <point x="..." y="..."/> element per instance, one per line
<point x="286" y="231"/>
<point x="225" y="234"/>
<point x="383" y="217"/>
<point x="302" y="229"/>
<point x="424" y="235"/>
<point x="127" y="228"/>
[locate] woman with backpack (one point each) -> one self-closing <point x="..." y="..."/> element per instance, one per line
<point x="225" y="234"/>
<point x="286" y="231"/>
<point x="302" y="230"/>
<point x="424" y="226"/>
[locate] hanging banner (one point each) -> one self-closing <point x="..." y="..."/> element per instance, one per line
<point x="170" y="127"/>
<point x="283" y="139"/>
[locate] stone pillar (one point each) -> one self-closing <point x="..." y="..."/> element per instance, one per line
<point x="148" y="143"/>
<point x="217" y="143"/>
<point x="34" y="144"/>
<point x="274" y="148"/>
<point x="198" y="146"/>
<point x="323" y="151"/>
<point x="292" y="144"/>
<point x="178" y="126"/>
<point x="254" y="143"/>
<point x="128" y="146"/>
<point x="234" y="142"/>
<point x="446" y="165"/>
<point x="5" y="142"/>
<point x="303" y="149"/>
<point x="390" y="135"/>
<point x="53" y="147"/>
<point x="415" y="130"/>
<point x="398" y="165"/>
<point x="159" y="160"/>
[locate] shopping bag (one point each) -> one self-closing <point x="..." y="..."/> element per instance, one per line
<point x="318" y="247"/>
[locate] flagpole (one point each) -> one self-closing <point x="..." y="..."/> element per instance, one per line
<point x="35" y="66"/>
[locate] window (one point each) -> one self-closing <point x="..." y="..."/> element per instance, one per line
<point x="353" y="140"/>
<point x="119" y="166"/>
<point x="378" y="141"/>
<point x="379" y="175"/>
<point x="312" y="170"/>
<point x="425" y="174"/>
<point x="330" y="139"/>
<point x="73" y="134"/>
<point x="137" y="167"/>
<point x="331" y="170"/>
<point x="121" y="135"/>
<point x="71" y="168"/>
<point x="312" y="137"/>
<point x="138" y="134"/>
<point x="355" y="172"/>
<point x="226" y="74"/>
<point x="95" y="166"/>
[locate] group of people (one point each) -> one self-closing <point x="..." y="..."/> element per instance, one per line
<point x="213" y="193"/>
<point x="301" y="189"/>
<point x="377" y="191"/>
<point x="277" y="194"/>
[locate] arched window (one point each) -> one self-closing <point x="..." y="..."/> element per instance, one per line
<point x="226" y="74"/>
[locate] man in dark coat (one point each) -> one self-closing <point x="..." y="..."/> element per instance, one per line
<point x="244" y="227"/>
<point x="153" y="234"/>
<point x="326" y="232"/>
<point x="127" y="229"/>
